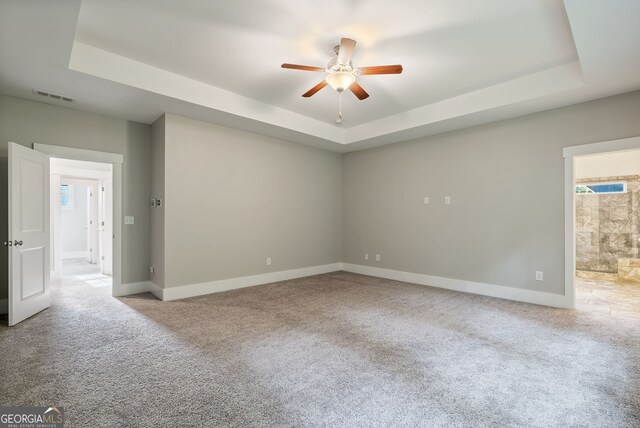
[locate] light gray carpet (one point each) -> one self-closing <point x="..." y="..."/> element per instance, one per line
<point x="338" y="350"/>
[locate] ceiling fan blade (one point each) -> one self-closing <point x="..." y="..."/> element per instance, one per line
<point x="315" y="89"/>
<point x="381" y="69"/>
<point x="302" y="67"/>
<point x="346" y="50"/>
<point x="358" y="91"/>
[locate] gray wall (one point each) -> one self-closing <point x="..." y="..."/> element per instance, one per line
<point x="506" y="184"/>
<point x="157" y="191"/>
<point x="25" y="122"/>
<point x="234" y="198"/>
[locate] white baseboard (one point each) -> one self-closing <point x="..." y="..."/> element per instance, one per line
<point x="192" y="290"/>
<point x="502" y="292"/>
<point x="4" y="306"/>
<point x="75" y="255"/>
<point x="156" y="290"/>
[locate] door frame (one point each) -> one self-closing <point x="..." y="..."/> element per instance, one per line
<point x="116" y="160"/>
<point x="569" y="154"/>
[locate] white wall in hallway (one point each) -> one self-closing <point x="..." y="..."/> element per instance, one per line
<point x="74" y="222"/>
<point x="608" y="164"/>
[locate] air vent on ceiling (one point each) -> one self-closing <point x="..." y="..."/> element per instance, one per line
<point x="54" y="96"/>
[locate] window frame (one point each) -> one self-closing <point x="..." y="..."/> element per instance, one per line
<point x="601" y="183"/>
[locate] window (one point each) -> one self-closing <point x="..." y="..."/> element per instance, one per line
<point x="66" y="196"/>
<point x="595" y="188"/>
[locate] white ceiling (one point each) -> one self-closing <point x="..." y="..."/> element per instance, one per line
<point x="466" y="62"/>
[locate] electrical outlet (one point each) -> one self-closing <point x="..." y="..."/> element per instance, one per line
<point x="152" y="269"/>
<point x="426" y="200"/>
<point x="377" y="257"/>
<point x="152" y="202"/>
<point x="268" y="261"/>
<point x="447" y="200"/>
<point x="539" y="275"/>
<point x="128" y="219"/>
<point x="366" y="256"/>
<point x="158" y="202"/>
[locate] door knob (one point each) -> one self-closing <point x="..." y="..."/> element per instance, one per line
<point x="17" y="243"/>
<point x="8" y="244"/>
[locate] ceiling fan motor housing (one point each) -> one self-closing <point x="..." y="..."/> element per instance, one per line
<point x="333" y="65"/>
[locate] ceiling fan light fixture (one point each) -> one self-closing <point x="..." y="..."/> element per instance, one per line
<point x="340" y="80"/>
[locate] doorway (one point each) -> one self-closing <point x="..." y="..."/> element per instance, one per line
<point x="115" y="160"/>
<point x="81" y="222"/>
<point x="602" y="228"/>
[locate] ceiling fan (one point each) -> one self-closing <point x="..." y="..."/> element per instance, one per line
<point x="341" y="74"/>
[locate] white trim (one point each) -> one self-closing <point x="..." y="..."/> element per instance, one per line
<point x="570" y="153"/>
<point x="192" y="290"/>
<point x="4" y="306"/>
<point x="116" y="160"/>
<point x="621" y="145"/>
<point x="502" y="292"/>
<point x="75" y="254"/>
<point x="79" y="154"/>
<point x="133" y="288"/>
<point x="156" y="290"/>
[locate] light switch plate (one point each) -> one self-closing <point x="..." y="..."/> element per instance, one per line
<point x="128" y="219"/>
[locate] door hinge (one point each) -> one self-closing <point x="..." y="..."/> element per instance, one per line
<point x="103" y="189"/>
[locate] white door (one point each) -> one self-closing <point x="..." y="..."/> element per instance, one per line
<point x="94" y="225"/>
<point x="28" y="233"/>
<point x="101" y="226"/>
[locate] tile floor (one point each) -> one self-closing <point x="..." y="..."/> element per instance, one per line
<point x="608" y="298"/>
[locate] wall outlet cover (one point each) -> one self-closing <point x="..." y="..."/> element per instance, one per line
<point x="128" y="219"/>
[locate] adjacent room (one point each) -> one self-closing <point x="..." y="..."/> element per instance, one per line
<point x="608" y="232"/>
<point x="309" y="214"/>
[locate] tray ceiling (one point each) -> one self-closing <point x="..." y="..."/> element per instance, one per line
<point x="464" y="62"/>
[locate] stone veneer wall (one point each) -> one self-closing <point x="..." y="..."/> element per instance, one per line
<point x="607" y="226"/>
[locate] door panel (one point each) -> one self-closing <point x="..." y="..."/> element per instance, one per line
<point x="28" y="239"/>
<point x="31" y="196"/>
<point x="32" y="272"/>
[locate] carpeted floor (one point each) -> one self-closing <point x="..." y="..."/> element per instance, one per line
<point x="338" y="350"/>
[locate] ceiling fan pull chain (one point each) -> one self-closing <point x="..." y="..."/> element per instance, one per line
<point x="339" y="119"/>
